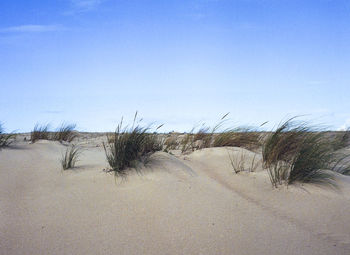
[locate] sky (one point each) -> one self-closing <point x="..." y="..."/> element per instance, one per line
<point x="177" y="63"/>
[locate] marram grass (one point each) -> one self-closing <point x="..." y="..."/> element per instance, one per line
<point x="40" y="132"/>
<point x="65" y="133"/>
<point x="5" y="139"/>
<point x="130" y="147"/>
<point x="202" y="138"/>
<point x="70" y="157"/>
<point x="297" y="152"/>
<point x="244" y="137"/>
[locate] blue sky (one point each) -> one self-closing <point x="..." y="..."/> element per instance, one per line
<point x="176" y="62"/>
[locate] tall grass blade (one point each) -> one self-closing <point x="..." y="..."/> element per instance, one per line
<point x="70" y="157"/>
<point x="130" y="147"/>
<point x="66" y="132"/>
<point x="297" y="152"/>
<point x="40" y="132"/>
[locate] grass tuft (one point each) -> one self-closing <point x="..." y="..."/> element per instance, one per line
<point x="129" y="147"/>
<point x="40" y="132"/>
<point x="203" y="138"/>
<point x="240" y="162"/>
<point x="70" y="157"/>
<point x="196" y="140"/>
<point x="5" y="139"/>
<point x="171" y="143"/>
<point x="187" y="143"/>
<point x="341" y="139"/>
<point x="244" y="137"/>
<point x="296" y="152"/>
<point x="65" y="133"/>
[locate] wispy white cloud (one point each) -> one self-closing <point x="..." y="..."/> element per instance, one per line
<point x="31" y="29"/>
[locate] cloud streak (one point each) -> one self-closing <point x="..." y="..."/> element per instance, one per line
<point x="31" y="29"/>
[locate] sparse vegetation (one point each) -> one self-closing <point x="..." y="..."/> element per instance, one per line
<point x="5" y="139"/>
<point x="341" y="163"/>
<point x="196" y="140"/>
<point x="65" y="133"/>
<point x="296" y="152"/>
<point x="341" y="139"/>
<point x="244" y="137"/>
<point x="171" y="143"/>
<point x="204" y="135"/>
<point x="40" y="132"/>
<point x="203" y="138"/>
<point x="130" y="147"/>
<point x="110" y="137"/>
<point x="237" y="163"/>
<point x="70" y="157"/>
<point x="187" y="143"/>
<point x="240" y="162"/>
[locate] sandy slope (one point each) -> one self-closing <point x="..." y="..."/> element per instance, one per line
<point x="191" y="204"/>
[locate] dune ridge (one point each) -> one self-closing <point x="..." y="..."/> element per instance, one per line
<point x="178" y="204"/>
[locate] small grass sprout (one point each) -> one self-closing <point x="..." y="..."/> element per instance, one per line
<point x="70" y="157"/>
<point x="240" y="162"/>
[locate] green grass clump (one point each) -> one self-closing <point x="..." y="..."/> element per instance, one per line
<point x="129" y="147"/>
<point x="65" y="133"/>
<point x="296" y="152"/>
<point x="70" y="157"/>
<point x="5" y="139"/>
<point x="40" y="132"/>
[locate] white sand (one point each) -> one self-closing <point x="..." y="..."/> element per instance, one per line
<point x="186" y="205"/>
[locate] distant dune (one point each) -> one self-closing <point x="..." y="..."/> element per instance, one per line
<point x="178" y="204"/>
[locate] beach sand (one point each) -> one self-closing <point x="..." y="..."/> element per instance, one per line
<point x="179" y="204"/>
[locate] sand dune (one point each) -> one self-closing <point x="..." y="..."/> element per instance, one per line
<point x="192" y="204"/>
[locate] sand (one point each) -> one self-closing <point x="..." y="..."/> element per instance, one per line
<point x="179" y="204"/>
